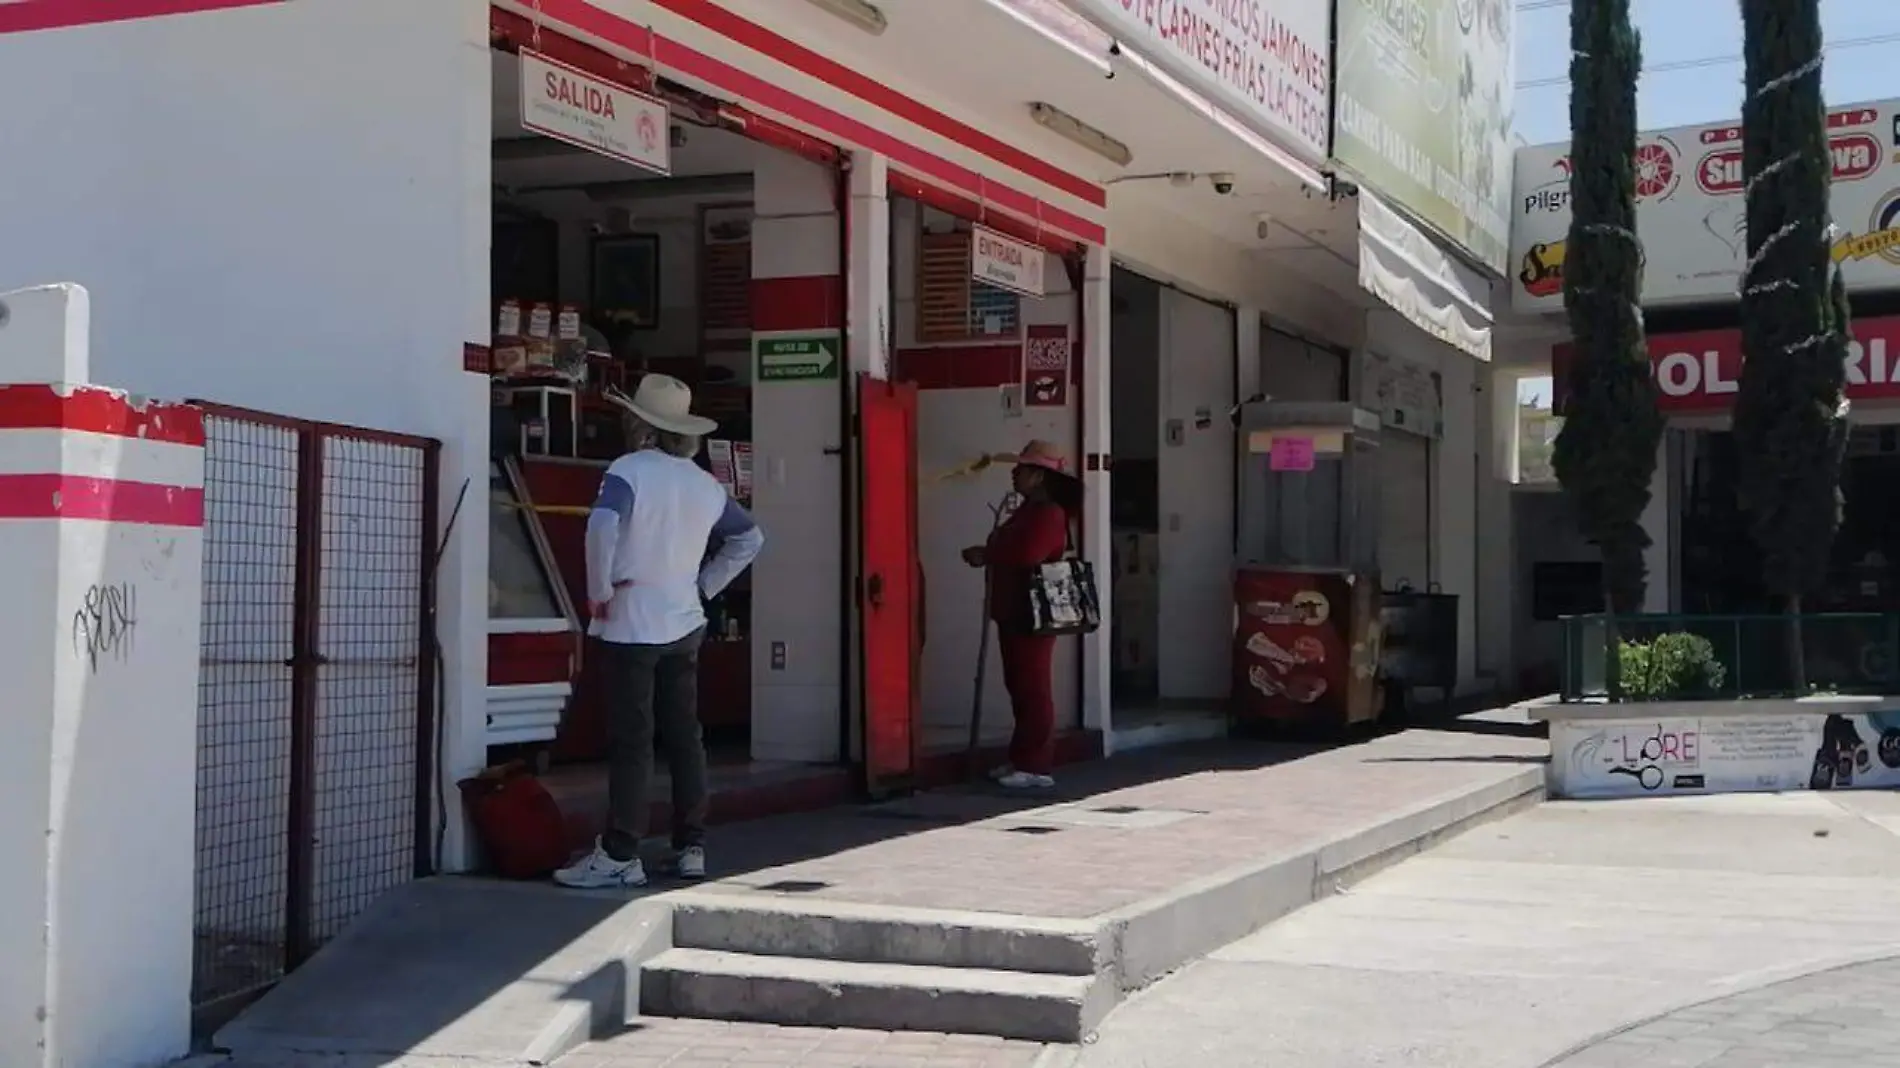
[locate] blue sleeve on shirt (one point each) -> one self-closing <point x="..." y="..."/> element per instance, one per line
<point x="616" y="496"/>
<point x="731" y="523"/>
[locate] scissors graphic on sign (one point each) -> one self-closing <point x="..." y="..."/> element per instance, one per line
<point x="1649" y="775"/>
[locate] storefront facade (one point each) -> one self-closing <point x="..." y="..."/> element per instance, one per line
<point x="1690" y="215"/>
<point x="879" y="247"/>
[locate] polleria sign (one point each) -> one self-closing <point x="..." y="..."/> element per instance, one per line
<point x="1702" y="370"/>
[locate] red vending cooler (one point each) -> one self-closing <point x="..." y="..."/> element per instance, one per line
<point x="1306" y="592"/>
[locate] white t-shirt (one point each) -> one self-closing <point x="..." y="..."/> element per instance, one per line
<point x="648" y="537"/>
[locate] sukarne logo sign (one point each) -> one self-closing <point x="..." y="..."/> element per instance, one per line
<point x="1700" y="372"/>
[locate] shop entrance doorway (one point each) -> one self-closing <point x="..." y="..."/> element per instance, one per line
<point x="1173" y="389"/>
<point x="1721" y="565"/>
<point x="665" y="245"/>
<point x="994" y="369"/>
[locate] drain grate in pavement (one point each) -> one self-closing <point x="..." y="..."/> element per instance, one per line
<point x="796" y="886"/>
<point x="1031" y="828"/>
<point x="1115" y="817"/>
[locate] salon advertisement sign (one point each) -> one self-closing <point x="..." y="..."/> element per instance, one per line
<point x="1608" y="758"/>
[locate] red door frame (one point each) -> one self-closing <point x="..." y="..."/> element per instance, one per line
<point x="887" y="586"/>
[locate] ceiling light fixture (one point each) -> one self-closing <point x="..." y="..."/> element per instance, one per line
<point x="1070" y="128"/>
<point x="864" y="16"/>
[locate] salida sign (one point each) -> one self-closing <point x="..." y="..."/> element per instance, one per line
<point x="569" y="104"/>
<point x="1701" y="371"/>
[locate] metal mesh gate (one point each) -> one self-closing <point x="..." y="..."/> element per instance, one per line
<point x="317" y="688"/>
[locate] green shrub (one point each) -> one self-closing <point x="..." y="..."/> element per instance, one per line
<point x="1673" y="667"/>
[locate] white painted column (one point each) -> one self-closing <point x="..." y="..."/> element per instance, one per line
<point x="1496" y="529"/>
<point x="1456" y="560"/>
<point x="797" y="470"/>
<point x="100" y="554"/>
<point x="1098" y="651"/>
<point x="872" y="323"/>
<point x="1247" y="327"/>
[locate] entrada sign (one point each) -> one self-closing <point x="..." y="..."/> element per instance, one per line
<point x="1005" y="262"/>
<point x="1700" y="372"/>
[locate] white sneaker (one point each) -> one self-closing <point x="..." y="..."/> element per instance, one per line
<point x="598" y="871"/>
<point x="1000" y="772"/>
<point x="691" y="863"/>
<point x="1023" y="780"/>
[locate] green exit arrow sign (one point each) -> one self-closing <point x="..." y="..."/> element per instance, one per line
<point x="804" y="356"/>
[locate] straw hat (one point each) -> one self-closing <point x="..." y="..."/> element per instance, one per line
<point x="1044" y="454"/>
<point x="663" y="403"/>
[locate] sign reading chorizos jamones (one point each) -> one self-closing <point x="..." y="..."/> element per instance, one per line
<point x="1264" y="61"/>
<point x="1689" y="210"/>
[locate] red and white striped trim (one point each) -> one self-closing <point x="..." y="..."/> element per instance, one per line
<point x="87" y="453"/>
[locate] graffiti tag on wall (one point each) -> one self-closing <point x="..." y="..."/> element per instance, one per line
<point x="103" y="627"/>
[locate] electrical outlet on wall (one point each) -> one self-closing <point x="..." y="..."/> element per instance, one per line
<point x="778" y="656"/>
<point x="1012" y="400"/>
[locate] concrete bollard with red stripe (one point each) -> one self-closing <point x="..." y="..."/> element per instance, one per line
<point x="101" y="544"/>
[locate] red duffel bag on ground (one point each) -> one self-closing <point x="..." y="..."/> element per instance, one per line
<point x="517" y="821"/>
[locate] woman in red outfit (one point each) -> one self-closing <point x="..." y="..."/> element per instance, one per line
<point x="1036" y="533"/>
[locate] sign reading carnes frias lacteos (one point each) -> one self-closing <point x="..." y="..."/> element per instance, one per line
<point x="1423" y="110"/>
<point x="1265" y="62"/>
<point x="1689" y="210"/>
<point x="571" y="105"/>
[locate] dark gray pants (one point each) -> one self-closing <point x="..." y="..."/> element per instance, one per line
<point x="649" y="686"/>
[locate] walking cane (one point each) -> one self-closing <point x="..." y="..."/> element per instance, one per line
<point x="973" y="752"/>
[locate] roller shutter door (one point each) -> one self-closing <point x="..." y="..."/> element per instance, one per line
<point x="1405" y="509"/>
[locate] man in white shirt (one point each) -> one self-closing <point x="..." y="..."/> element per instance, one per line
<point x="649" y="574"/>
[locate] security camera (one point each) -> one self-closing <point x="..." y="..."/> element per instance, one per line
<point x="1223" y="182"/>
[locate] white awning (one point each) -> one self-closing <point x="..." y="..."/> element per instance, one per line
<point x="1408" y="269"/>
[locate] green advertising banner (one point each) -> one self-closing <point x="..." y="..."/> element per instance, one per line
<point x="1423" y="113"/>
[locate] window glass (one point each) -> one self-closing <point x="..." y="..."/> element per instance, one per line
<point x="518" y="586"/>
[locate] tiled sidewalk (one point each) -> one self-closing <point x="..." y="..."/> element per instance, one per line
<point x="1115" y="833"/>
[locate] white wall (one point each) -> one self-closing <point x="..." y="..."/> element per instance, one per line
<point x="1195" y="603"/>
<point x="798" y="487"/>
<point x="257" y="230"/>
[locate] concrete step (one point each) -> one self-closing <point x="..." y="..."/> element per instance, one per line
<point x="715" y="985"/>
<point x="874" y="934"/>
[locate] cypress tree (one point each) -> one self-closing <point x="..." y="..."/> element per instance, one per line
<point x="1606" y="452"/>
<point x="1791" y="409"/>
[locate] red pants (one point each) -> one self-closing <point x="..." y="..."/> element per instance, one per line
<point x="1028" y="675"/>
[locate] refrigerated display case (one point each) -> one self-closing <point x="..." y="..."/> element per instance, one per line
<point x="534" y="634"/>
<point x="1306" y="589"/>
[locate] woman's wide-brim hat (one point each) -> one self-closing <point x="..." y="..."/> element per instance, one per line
<point x="663" y="403"/>
<point x="1044" y="454"/>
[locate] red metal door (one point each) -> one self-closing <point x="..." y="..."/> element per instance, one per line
<point x="888" y="592"/>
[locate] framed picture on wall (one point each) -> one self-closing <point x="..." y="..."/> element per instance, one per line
<point x="625" y="279"/>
